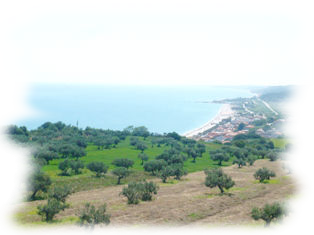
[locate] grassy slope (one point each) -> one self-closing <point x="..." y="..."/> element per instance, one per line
<point x="184" y="202"/>
<point x="280" y="143"/>
<point x="87" y="181"/>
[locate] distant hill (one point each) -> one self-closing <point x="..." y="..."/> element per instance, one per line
<point x="290" y="94"/>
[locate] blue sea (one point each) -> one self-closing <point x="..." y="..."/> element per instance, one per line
<point x="161" y="109"/>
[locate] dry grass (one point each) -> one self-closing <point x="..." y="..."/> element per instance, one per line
<point x="186" y="202"/>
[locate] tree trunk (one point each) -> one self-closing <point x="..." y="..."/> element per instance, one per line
<point x="33" y="195"/>
<point x="267" y="223"/>
<point x="119" y="179"/>
<point x="221" y="189"/>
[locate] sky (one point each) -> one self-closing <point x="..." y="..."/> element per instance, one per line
<point x="158" y="42"/>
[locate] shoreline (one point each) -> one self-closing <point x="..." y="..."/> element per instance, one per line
<point x="224" y="112"/>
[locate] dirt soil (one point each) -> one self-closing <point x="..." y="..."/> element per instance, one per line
<point x="188" y="202"/>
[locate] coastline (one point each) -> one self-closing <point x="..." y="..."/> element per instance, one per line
<point x="224" y="112"/>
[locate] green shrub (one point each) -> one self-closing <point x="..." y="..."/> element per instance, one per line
<point x="120" y="172"/>
<point x="216" y="178"/>
<point x="268" y="213"/>
<point x="132" y="192"/>
<point x="52" y="208"/>
<point x="264" y="174"/>
<point x="123" y="162"/>
<point x="98" y="167"/>
<point x="136" y="191"/>
<point x="165" y="172"/>
<point x="91" y="216"/>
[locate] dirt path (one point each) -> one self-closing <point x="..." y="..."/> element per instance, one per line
<point x="189" y="201"/>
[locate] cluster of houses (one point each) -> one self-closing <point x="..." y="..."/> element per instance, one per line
<point x="228" y="128"/>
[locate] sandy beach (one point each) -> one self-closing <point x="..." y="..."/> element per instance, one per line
<point x="224" y="112"/>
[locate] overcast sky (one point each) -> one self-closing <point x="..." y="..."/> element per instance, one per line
<point x="167" y="42"/>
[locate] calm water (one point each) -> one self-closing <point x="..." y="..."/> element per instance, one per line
<point x="160" y="109"/>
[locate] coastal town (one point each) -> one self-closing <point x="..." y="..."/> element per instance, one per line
<point x="241" y="116"/>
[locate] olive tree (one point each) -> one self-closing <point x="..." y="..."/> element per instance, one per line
<point x="200" y="149"/>
<point x="141" y="146"/>
<point x="268" y="213"/>
<point x="239" y="161"/>
<point x="178" y="171"/>
<point x="98" y="167"/>
<point x="132" y="192"/>
<point x="39" y="182"/>
<point x="136" y="191"/>
<point x="120" y="172"/>
<point x="143" y="157"/>
<point x="219" y="156"/>
<point x="154" y="166"/>
<point x="60" y="193"/>
<point x="272" y="155"/>
<point x="148" y="189"/>
<point x="165" y="173"/>
<point x="251" y="159"/>
<point x="263" y="174"/>
<point x="69" y="167"/>
<point x="46" y="155"/>
<point x="91" y="216"/>
<point x="49" y="210"/>
<point x="123" y="162"/>
<point x="56" y="203"/>
<point x="216" y="178"/>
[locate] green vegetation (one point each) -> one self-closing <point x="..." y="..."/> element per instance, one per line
<point x="263" y="174"/>
<point x="268" y="213"/>
<point x="289" y="94"/>
<point x="56" y="155"/>
<point x="258" y="107"/>
<point x="90" y="216"/>
<point x="120" y="172"/>
<point x="216" y="178"/>
<point x="98" y="167"/>
<point x="55" y="204"/>
<point x="280" y="143"/>
<point x="136" y="191"/>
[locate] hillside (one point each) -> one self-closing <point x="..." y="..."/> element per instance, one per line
<point x="63" y="156"/>
<point x="289" y="94"/>
<point x="186" y="202"/>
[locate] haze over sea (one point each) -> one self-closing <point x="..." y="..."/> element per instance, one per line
<point x="161" y="109"/>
